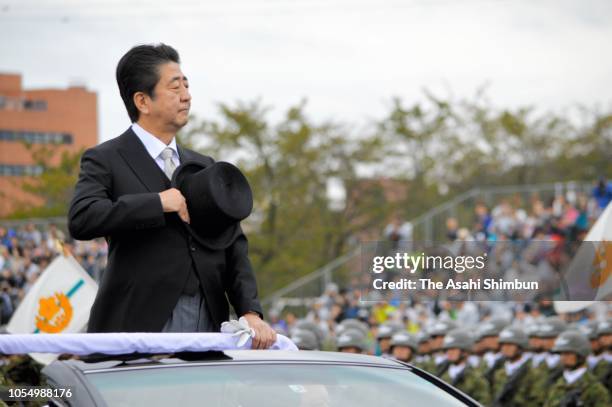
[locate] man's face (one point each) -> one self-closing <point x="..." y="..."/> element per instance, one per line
<point x="424" y="348"/>
<point x="436" y="342"/>
<point x="536" y="344"/>
<point x="595" y="345"/>
<point x="547" y="343"/>
<point x="171" y="100"/>
<point x="453" y="355"/>
<point x="385" y="344"/>
<point x="569" y="360"/>
<point x="605" y="341"/>
<point x="402" y="352"/>
<point x="510" y="350"/>
<point x="491" y="343"/>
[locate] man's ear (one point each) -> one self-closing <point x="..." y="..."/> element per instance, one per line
<point x="141" y="100"/>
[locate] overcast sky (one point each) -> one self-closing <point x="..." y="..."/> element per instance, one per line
<point x="348" y="58"/>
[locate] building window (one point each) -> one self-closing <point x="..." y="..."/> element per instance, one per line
<point x="9" y="170"/>
<point x="37" y="105"/>
<point x="35" y="137"/>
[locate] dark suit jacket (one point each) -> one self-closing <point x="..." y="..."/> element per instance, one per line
<point x="150" y="252"/>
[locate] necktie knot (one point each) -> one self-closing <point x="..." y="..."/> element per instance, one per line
<point x="169" y="166"/>
<point x="166" y="153"/>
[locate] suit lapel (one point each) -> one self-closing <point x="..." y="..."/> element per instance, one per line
<point x="138" y="159"/>
<point x="184" y="154"/>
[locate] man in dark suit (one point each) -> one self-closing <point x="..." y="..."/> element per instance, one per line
<point x="158" y="278"/>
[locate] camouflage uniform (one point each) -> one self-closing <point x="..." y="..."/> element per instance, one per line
<point x="441" y="328"/>
<point x="469" y="380"/>
<point x="3" y="385"/>
<point x="21" y="371"/>
<point x="490" y="328"/>
<point x="516" y="389"/>
<point x="603" y="371"/>
<point x="584" y="391"/>
<point x="544" y="374"/>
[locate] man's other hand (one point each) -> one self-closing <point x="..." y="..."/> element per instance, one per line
<point x="265" y="336"/>
<point x="173" y="201"/>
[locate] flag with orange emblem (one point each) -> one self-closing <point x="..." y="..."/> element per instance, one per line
<point x="58" y="302"/>
<point x="589" y="275"/>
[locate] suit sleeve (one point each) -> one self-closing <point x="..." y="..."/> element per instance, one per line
<point x="94" y="214"/>
<point x="240" y="284"/>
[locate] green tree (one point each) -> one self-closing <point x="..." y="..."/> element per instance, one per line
<point x="55" y="184"/>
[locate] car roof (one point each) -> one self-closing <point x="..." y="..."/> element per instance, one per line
<point x="73" y="372"/>
<point x="231" y="356"/>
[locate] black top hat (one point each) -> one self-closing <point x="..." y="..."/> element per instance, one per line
<point x="218" y="197"/>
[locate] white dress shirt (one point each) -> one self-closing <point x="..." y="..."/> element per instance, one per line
<point x="512" y="367"/>
<point x="155" y="146"/>
<point x="455" y="370"/>
<point x="572" y="375"/>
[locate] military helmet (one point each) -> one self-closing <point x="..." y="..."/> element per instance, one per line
<point x="353" y="324"/>
<point x="532" y="330"/>
<point x="404" y="339"/>
<point x="572" y="341"/>
<point x="351" y="338"/>
<point x="590" y="329"/>
<point x="303" y="324"/>
<point x="441" y="328"/>
<point x="458" y="338"/>
<point x="491" y="328"/>
<point x="305" y="339"/>
<point x="421" y="337"/>
<point x="385" y="331"/>
<point x="514" y="335"/>
<point x="551" y="328"/>
<point x="604" y="328"/>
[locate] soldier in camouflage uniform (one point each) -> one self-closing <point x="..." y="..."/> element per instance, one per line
<point x="596" y="362"/>
<point x="423" y="359"/>
<point x="488" y="344"/>
<point x="383" y="339"/>
<point x="458" y="344"/>
<point x="512" y="384"/>
<point x="604" y="335"/>
<point x="547" y="370"/>
<point x="403" y="347"/>
<point x="577" y="386"/>
<point x="436" y="333"/>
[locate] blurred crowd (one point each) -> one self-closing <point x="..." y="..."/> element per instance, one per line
<point x="27" y="250"/>
<point x="525" y="241"/>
